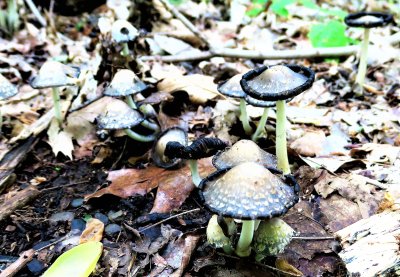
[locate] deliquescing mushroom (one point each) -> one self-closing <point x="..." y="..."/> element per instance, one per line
<point x="7" y="90"/>
<point x="232" y="88"/>
<point x="278" y="83"/>
<point x="366" y="20"/>
<point x="218" y="237"/>
<point x="53" y="75"/>
<point x="200" y="148"/>
<point x="119" y="115"/>
<point x="249" y="192"/>
<point x="122" y="32"/>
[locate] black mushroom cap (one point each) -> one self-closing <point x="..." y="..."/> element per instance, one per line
<point x="259" y="103"/>
<point x="243" y="151"/>
<point x="201" y="148"/>
<point x="231" y="87"/>
<point x="369" y="19"/>
<point x="158" y="152"/>
<point x="7" y="89"/>
<point x="247" y="191"/>
<point x="125" y="82"/>
<point x="277" y="82"/>
<point x="119" y="115"/>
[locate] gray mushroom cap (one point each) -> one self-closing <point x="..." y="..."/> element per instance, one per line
<point x="7" y="89"/>
<point x="243" y="151"/>
<point x="119" y="115"/>
<point x="55" y="74"/>
<point x="247" y="191"/>
<point x="125" y="82"/>
<point x="171" y="134"/>
<point x="231" y="87"/>
<point x="123" y="31"/>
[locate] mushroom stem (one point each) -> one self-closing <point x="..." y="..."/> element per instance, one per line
<point x="281" y="147"/>
<point x="244" y="118"/>
<point x="125" y="49"/>
<point x="246" y="236"/>
<point x="130" y="102"/>
<point x="57" y="107"/>
<point x="362" y="66"/>
<point x="261" y="125"/>
<point x="145" y="123"/>
<point x="139" y="137"/>
<point x="195" y="172"/>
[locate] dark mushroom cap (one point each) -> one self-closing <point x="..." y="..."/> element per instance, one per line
<point x="123" y="31"/>
<point x="278" y="82"/>
<point x="259" y="103"/>
<point x="368" y="19"/>
<point x="200" y="148"/>
<point x="55" y="74"/>
<point x="7" y="89"/>
<point x="171" y="134"/>
<point x="119" y="115"/>
<point x="243" y="151"/>
<point x="247" y="191"/>
<point x="231" y="87"/>
<point x="125" y="82"/>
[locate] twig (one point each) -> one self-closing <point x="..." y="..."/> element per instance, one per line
<point x="184" y="20"/>
<point x="16" y="266"/>
<point x="313" y="238"/>
<point x="18" y="201"/>
<point x="36" y="12"/>
<point x="171" y="217"/>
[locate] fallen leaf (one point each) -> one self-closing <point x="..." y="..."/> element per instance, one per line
<point x="377" y="153"/>
<point x="93" y="231"/>
<point x="310" y="144"/>
<point x="60" y="141"/>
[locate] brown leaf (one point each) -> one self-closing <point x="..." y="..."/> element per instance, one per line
<point x="93" y="231"/>
<point x="310" y="144"/>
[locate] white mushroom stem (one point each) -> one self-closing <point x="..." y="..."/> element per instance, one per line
<point x="145" y="123"/>
<point x="261" y="125"/>
<point x="195" y="172"/>
<point x="57" y="108"/>
<point x="244" y="118"/>
<point x="281" y="144"/>
<point x="139" y="137"/>
<point x="362" y="66"/>
<point x="246" y="237"/>
<point x="125" y="49"/>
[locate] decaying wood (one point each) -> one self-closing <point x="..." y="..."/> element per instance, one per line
<point x="18" y="201"/>
<point x="371" y="245"/>
<point x="16" y="266"/>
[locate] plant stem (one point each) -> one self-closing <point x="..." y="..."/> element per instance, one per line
<point x="261" y="125"/>
<point x="246" y="236"/>
<point x="195" y="172"/>
<point x="362" y="66"/>
<point x="139" y="137"/>
<point x="244" y="118"/>
<point x="57" y="106"/>
<point x="281" y="148"/>
<point x="125" y="50"/>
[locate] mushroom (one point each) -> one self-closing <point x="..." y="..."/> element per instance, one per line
<point x="122" y="32"/>
<point x="125" y="84"/>
<point x="250" y="192"/>
<point x="366" y="20"/>
<point x="7" y="90"/>
<point x="171" y="134"/>
<point x="200" y="148"/>
<point x="243" y="151"/>
<point x="278" y="83"/>
<point x="53" y="75"/>
<point x="119" y="115"/>
<point x="216" y="235"/>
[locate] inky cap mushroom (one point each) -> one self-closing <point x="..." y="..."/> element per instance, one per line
<point x="231" y="87"/>
<point x="243" y="151"/>
<point x="119" y="115"/>
<point x="172" y="134"/>
<point x="7" y="89"/>
<point x="216" y="236"/>
<point x="123" y="31"/>
<point x="368" y="19"/>
<point x="200" y="148"/>
<point x="125" y="82"/>
<point x="55" y="74"/>
<point x="247" y="191"/>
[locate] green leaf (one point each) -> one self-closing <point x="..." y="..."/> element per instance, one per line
<point x="279" y="7"/>
<point x="79" y="261"/>
<point x="330" y="34"/>
<point x="256" y="7"/>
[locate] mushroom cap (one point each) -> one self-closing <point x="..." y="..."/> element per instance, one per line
<point x="7" y="89"/>
<point x="157" y="153"/>
<point x="278" y="82"/>
<point x="259" y="103"/>
<point x="231" y="87"/>
<point x="119" y="115"/>
<point x="125" y="82"/>
<point x="243" y="151"/>
<point x="200" y="148"/>
<point x="55" y="74"/>
<point x="123" y="31"/>
<point x="215" y="234"/>
<point x="247" y="191"/>
<point x="368" y="19"/>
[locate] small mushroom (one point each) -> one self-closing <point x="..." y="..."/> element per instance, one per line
<point x="200" y="148"/>
<point x="278" y="83"/>
<point x="53" y="75"/>
<point x="243" y="151"/>
<point x="171" y="134"/>
<point x="122" y="32"/>
<point x="250" y="192"/>
<point x="119" y="115"/>
<point x="7" y="90"/>
<point x="366" y="20"/>
<point x="216" y="235"/>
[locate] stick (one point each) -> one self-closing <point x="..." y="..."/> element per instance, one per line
<point x="18" y="201"/>
<point x="16" y="266"/>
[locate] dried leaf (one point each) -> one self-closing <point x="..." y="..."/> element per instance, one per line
<point x="60" y="141"/>
<point x="310" y="144"/>
<point x="93" y="231"/>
